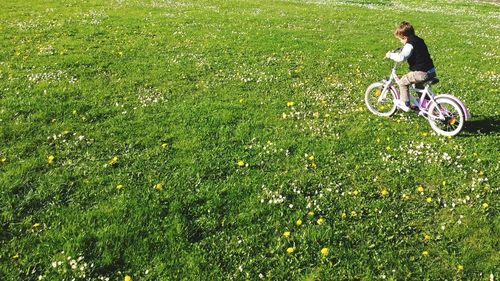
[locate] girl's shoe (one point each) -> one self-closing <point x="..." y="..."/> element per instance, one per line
<point x="401" y="105"/>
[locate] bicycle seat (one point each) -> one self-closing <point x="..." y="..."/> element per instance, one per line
<point x="428" y="81"/>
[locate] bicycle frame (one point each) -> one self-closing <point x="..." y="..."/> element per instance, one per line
<point x="423" y="103"/>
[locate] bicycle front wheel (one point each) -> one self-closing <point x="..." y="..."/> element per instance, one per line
<point x="378" y="102"/>
<point x="446" y="117"/>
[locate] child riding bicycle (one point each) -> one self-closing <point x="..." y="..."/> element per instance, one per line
<point x="417" y="55"/>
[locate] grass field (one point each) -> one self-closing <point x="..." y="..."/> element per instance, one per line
<point x="229" y="140"/>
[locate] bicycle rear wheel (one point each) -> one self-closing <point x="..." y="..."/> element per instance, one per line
<point x="377" y="105"/>
<point x="446" y="117"/>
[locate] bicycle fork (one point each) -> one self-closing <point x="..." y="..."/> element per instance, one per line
<point x="383" y="95"/>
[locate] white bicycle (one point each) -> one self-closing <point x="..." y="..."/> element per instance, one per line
<point x="445" y="113"/>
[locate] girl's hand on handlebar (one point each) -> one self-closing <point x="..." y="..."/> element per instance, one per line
<point x="388" y="55"/>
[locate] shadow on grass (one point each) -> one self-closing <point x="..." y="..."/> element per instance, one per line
<point x="489" y="125"/>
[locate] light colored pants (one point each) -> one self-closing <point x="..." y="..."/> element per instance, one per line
<point x="408" y="79"/>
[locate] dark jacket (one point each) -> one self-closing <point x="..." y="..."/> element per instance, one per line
<point x="420" y="59"/>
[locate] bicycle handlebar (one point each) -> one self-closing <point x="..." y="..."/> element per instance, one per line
<point x="395" y="51"/>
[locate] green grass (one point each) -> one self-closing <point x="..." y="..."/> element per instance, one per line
<point x="181" y="91"/>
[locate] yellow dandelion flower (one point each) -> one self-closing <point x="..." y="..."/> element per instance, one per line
<point x="114" y="160"/>
<point x="15" y="257"/>
<point x="164" y="145"/>
<point x="313" y="165"/>
<point x="286" y="234"/>
<point x="460" y="267"/>
<point x="405" y="196"/>
<point x="355" y="193"/>
<point x="36" y="225"/>
<point x="428" y="200"/>
<point x="290" y="250"/>
<point x="320" y="221"/>
<point x="127" y="278"/>
<point x="298" y="222"/>
<point x="485" y="205"/>
<point x="343" y="216"/>
<point x="327" y="115"/>
<point x="50" y="159"/>
<point x="353" y="214"/>
<point x="310" y="158"/>
<point x="158" y="186"/>
<point x="384" y="192"/>
<point x="119" y="187"/>
<point x="427" y="237"/>
<point x="425" y="253"/>
<point x="420" y="189"/>
<point x="290" y="104"/>
<point x="425" y="134"/>
<point x="311" y="213"/>
<point x="324" y="251"/>
<point x="481" y="173"/>
<point x="241" y="163"/>
<point x="4" y="159"/>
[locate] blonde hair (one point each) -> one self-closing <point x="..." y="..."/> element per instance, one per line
<point x="404" y="29"/>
